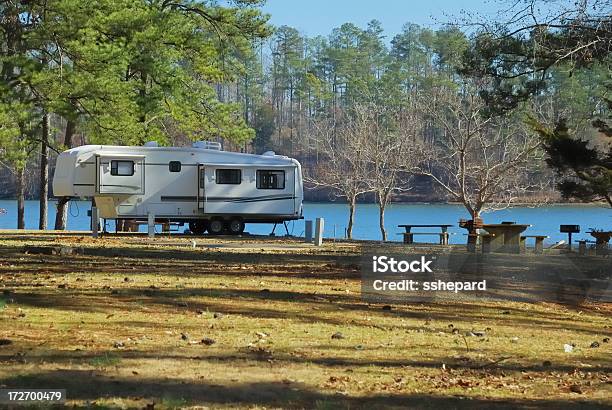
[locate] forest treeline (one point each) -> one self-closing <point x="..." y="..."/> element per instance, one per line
<point x="456" y="113"/>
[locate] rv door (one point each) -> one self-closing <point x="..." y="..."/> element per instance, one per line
<point x="201" y="187"/>
<point x="119" y="174"/>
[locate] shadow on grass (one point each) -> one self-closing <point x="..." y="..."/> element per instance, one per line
<point x="348" y="360"/>
<point x="307" y="307"/>
<point x="209" y="252"/>
<point x="184" y="264"/>
<point x="89" y="386"/>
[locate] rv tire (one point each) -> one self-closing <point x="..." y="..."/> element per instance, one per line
<point x="216" y="226"/>
<point x="235" y="226"/>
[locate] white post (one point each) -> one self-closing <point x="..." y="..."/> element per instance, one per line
<point x="151" y="224"/>
<point x="95" y="222"/>
<point x="308" y="230"/>
<point x="319" y="227"/>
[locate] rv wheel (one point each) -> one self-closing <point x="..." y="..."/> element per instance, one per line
<point x="216" y="226"/>
<point x="236" y="226"/>
<point x="197" y="227"/>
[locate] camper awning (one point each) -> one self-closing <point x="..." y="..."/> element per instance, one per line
<point x="120" y="156"/>
<point x="257" y="165"/>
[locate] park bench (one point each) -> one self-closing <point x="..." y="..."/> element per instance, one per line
<point x="409" y="235"/>
<point x="539" y="242"/>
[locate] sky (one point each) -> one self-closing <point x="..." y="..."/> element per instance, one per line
<point x="319" y="17"/>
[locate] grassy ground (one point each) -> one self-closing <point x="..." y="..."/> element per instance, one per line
<point x="249" y="324"/>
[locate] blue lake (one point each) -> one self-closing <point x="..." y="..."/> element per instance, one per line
<point x="545" y="219"/>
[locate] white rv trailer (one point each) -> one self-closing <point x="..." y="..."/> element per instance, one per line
<point x="210" y="189"/>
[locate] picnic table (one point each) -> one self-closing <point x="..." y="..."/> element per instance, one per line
<point x="506" y="236"/>
<point x="539" y="242"/>
<point x="602" y="238"/>
<point x="409" y="235"/>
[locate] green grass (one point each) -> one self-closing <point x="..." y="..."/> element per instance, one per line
<point x="105" y="360"/>
<point x="169" y="402"/>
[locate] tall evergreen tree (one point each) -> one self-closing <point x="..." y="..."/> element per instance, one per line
<point x="125" y="71"/>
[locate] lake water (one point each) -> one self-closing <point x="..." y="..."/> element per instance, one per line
<point x="545" y="220"/>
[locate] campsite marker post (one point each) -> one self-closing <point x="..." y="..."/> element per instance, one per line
<point x="151" y="224"/>
<point x="319" y="226"/>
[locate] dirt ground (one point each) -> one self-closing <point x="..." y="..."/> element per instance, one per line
<point x="128" y="322"/>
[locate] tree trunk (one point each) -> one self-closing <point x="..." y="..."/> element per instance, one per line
<point x="44" y="172"/>
<point x="20" y="198"/>
<point x="475" y="216"/>
<point x="349" y="229"/>
<point x="144" y="78"/>
<point x="381" y="220"/>
<point x="473" y="230"/>
<point x="61" y="214"/>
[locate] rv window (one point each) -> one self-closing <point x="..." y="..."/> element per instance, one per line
<point x="175" y="166"/>
<point x="228" y="176"/>
<point x="122" y="168"/>
<point x="270" y="179"/>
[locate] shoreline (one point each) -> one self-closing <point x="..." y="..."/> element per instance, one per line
<point x="516" y="205"/>
<point x="601" y="204"/>
<point x="521" y="204"/>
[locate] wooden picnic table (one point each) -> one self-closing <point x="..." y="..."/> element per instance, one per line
<point x="409" y="235"/>
<point x="506" y="236"/>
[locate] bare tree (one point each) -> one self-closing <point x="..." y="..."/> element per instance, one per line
<point x="481" y="161"/>
<point x="344" y="165"/>
<point x="366" y="152"/>
<point x="389" y="152"/>
<point x="532" y="36"/>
